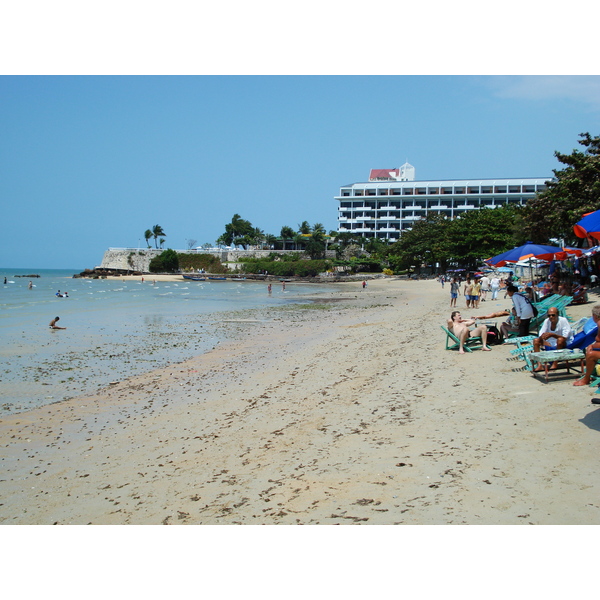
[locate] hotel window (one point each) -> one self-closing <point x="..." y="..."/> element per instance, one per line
<point x="459" y="190"/>
<point x="345" y="193"/>
<point x="421" y="191"/>
<point x="383" y="192"/>
<point x="446" y="190"/>
<point x="486" y="189"/>
<point x="395" y="192"/>
<point x="370" y="193"/>
<point x="473" y="190"/>
<point x="528" y="189"/>
<point x="433" y="191"/>
<point x="407" y="191"/>
<point x="358" y="192"/>
<point x="500" y="189"/>
<point x="514" y="189"/>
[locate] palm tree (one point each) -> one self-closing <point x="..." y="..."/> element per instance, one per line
<point x="147" y="236"/>
<point x="318" y="228"/>
<point x="157" y="231"/>
<point x="270" y="240"/>
<point x="304" y="227"/>
<point x="287" y="233"/>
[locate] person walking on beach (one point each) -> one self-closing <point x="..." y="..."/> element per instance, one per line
<point x="495" y="286"/>
<point x="485" y="287"/>
<point x="53" y="324"/>
<point x="364" y="284"/>
<point x="475" y="293"/>
<point x="454" y="292"/>
<point x="460" y="328"/>
<point x="523" y="308"/>
<point x="467" y="291"/>
<point x="592" y="352"/>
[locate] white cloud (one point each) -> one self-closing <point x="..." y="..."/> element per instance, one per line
<point x="578" y="88"/>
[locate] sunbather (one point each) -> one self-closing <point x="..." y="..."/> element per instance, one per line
<point x="460" y="328"/>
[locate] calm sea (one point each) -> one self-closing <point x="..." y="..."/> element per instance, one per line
<point x="115" y="329"/>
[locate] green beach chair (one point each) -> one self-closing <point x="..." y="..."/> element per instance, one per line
<point x="470" y="343"/>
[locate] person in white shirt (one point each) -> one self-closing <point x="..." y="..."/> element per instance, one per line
<point x="495" y="286"/>
<point x="485" y="287"/>
<point x="523" y="308"/>
<point x="555" y="334"/>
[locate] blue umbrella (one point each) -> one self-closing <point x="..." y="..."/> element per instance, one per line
<point x="588" y="226"/>
<point x="528" y="250"/>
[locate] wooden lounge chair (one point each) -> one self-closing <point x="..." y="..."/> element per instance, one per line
<point x="470" y="343"/>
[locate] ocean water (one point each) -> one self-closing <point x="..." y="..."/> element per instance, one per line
<point x="114" y="329"/>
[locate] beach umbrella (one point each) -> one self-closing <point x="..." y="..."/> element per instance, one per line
<point x="527" y="251"/>
<point x="588" y="226"/>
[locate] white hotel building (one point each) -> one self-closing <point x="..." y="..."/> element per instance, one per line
<point x="392" y="200"/>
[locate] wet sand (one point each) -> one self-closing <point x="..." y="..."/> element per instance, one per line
<point x="338" y="413"/>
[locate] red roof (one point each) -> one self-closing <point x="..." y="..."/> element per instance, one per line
<point x="383" y="173"/>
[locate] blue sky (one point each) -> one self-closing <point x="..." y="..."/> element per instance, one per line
<point x="91" y="162"/>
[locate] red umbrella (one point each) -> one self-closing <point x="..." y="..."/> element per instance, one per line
<point x="588" y="226"/>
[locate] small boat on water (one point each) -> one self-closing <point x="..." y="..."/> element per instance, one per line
<point x="194" y="277"/>
<point x="218" y="278"/>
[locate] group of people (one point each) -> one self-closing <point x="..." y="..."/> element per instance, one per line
<point x="475" y="289"/>
<point x="555" y="333"/>
<point x="519" y="321"/>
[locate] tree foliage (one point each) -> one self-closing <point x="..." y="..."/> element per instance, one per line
<point x="166" y="262"/>
<point x="575" y="192"/>
<point x="157" y="231"/>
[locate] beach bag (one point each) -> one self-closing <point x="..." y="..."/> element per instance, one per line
<point x="493" y="336"/>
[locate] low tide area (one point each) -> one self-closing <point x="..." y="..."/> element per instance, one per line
<point x="115" y="328"/>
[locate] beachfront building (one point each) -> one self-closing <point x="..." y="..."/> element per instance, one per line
<point x="392" y="200"/>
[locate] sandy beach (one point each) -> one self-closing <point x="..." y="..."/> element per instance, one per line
<point x="347" y="411"/>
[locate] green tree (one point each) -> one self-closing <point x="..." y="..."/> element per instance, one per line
<point x="271" y="240"/>
<point x="304" y="228"/>
<point x="238" y="229"/>
<point x="287" y="233"/>
<point x="157" y="231"/>
<point x="148" y="236"/>
<point x="315" y="244"/>
<point x="166" y="262"/>
<point x="480" y="234"/>
<point x="575" y="192"/>
<point x="425" y="243"/>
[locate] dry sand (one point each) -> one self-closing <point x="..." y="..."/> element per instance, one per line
<point x="348" y="412"/>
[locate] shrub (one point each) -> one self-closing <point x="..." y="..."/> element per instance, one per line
<point x="208" y="262"/>
<point x="279" y="268"/>
<point x="166" y="262"/>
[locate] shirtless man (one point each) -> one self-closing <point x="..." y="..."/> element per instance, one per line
<point x="592" y="352"/>
<point x="53" y="324"/>
<point x="460" y="328"/>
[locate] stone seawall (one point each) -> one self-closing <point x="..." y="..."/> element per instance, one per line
<point x="138" y="259"/>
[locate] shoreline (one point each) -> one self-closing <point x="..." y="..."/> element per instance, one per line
<point x="338" y="413"/>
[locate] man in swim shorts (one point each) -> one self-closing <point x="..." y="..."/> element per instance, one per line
<point x="460" y="328"/>
<point x="53" y="324"/>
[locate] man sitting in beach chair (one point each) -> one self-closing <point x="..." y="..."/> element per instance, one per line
<point x="460" y="328"/>
<point x="555" y="334"/>
<point x="592" y="353"/>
